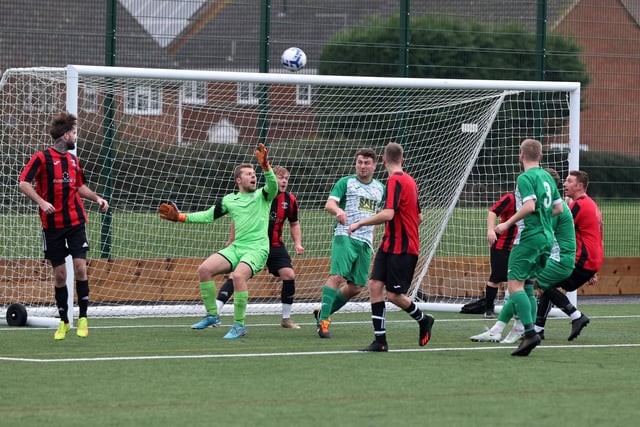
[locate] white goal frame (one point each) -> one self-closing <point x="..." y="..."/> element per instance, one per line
<point x="75" y="72"/>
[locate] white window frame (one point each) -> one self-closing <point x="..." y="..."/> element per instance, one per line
<point x="90" y="99"/>
<point x="303" y="95"/>
<point x="41" y="98"/>
<point x="143" y="100"/>
<point x="247" y="93"/>
<point x="194" y="92"/>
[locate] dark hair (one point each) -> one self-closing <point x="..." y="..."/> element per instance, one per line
<point x="367" y="152"/>
<point x="62" y="123"/>
<point x="582" y="177"/>
<point x="554" y="175"/>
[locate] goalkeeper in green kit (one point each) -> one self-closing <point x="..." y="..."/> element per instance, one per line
<point x="249" y="209"/>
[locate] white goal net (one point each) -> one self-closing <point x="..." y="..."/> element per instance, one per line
<point x="148" y="135"/>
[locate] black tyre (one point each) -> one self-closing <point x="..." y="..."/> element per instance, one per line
<point x="16" y="315"/>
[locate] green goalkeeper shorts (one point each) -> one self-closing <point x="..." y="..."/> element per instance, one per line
<point x="253" y="255"/>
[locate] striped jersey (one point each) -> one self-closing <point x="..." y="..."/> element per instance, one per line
<point x="57" y="177"/>
<point x="359" y="200"/>
<point x="283" y="208"/>
<point x="401" y="233"/>
<point x="504" y="209"/>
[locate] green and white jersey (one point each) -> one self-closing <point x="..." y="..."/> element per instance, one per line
<point x="249" y="211"/>
<point x="564" y="238"/>
<point x="359" y="200"/>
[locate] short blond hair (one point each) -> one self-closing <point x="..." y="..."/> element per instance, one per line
<point x="531" y="149"/>
<point x="280" y="170"/>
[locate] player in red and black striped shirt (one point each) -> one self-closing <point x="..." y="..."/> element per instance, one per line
<point x="587" y="220"/>
<point x="283" y="208"/>
<point x="397" y="256"/>
<point x="499" y="249"/>
<point x="59" y="189"/>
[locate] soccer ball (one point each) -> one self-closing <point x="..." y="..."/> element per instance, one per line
<point x="293" y="59"/>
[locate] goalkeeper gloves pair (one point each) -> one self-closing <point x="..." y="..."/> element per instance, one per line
<point x="170" y="211"/>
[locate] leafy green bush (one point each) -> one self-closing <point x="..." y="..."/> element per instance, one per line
<point x="450" y="48"/>
<point x="611" y="175"/>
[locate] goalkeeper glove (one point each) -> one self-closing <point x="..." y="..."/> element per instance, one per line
<point x="170" y="212"/>
<point x="261" y="155"/>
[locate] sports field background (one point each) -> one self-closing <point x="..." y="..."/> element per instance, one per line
<point x="157" y="372"/>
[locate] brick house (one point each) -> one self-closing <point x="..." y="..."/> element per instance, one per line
<point x="224" y="35"/>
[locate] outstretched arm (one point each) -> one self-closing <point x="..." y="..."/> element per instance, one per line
<point x="380" y="218"/>
<point x="263" y="160"/>
<point x="271" y="187"/>
<point x="170" y="212"/>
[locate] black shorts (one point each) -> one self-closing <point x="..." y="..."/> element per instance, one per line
<point x="278" y="258"/>
<point x="579" y="276"/>
<point x="57" y="244"/>
<point x="499" y="260"/>
<point x="395" y="270"/>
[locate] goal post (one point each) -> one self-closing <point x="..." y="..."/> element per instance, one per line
<point x="151" y="135"/>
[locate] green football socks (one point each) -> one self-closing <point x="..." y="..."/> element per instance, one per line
<point x="522" y="306"/>
<point x="328" y="298"/>
<point x="240" y="301"/>
<point x="208" y="292"/>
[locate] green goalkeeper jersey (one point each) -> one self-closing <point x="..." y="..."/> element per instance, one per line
<point x="249" y="212"/>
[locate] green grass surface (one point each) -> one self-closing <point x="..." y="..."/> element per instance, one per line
<point x="144" y="235"/>
<point x="159" y="372"/>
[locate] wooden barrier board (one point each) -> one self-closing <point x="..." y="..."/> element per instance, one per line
<point x="173" y="279"/>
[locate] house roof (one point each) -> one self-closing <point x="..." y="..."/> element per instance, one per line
<point x="54" y="34"/>
<point x="229" y="37"/>
<point x="633" y="7"/>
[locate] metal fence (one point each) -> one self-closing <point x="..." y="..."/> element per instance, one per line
<point x="249" y="35"/>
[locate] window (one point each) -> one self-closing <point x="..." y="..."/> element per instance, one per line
<point x="143" y="100"/>
<point x="89" y="99"/>
<point x="247" y="93"/>
<point x="41" y="98"/>
<point x="194" y="92"/>
<point x="303" y="94"/>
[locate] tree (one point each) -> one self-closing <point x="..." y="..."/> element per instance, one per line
<point x="445" y="48"/>
<point x="450" y="48"/>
